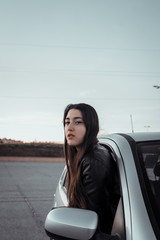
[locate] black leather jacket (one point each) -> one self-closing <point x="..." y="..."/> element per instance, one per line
<point x="100" y="185"/>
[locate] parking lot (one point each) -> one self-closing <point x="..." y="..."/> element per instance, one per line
<point x="26" y="196"/>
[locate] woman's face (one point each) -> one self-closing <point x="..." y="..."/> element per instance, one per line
<point x="74" y="129"/>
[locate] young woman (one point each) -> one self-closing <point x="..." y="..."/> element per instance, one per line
<point x="92" y="175"/>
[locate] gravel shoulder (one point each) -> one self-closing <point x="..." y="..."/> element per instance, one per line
<point x="30" y="159"/>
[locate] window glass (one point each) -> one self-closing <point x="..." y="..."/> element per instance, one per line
<point x="65" y="182"/>
<point x="149" y="155"/>
<point x="64" y="179"/>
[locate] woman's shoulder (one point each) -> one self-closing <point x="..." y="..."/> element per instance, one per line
<point x="97" y="155"/>
<point x="100" y="151"/>
<point x="97" y="162"/>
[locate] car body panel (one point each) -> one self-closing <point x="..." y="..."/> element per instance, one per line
<point x="60" y="196"/>
<point x="136" y="216"/>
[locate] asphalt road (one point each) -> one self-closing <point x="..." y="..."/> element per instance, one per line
<point x="26" y="196"/>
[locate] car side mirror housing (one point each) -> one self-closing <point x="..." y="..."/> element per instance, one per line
<point x="71" y="223"/>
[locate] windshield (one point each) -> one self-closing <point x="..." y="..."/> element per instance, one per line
<point x="149" y="155"/>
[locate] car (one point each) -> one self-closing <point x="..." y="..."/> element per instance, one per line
<point x="138" y="213"/>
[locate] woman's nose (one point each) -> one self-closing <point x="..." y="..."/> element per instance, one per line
<point x="71" y="126"/>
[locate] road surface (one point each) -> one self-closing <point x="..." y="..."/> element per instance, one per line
<point x="26" y="196"/>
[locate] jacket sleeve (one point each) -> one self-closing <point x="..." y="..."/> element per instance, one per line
<point x="96" y="175"/>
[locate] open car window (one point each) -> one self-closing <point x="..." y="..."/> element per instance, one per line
<point x="118" y="227"/>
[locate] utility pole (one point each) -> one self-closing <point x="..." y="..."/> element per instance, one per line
<point x="131" y="123"/>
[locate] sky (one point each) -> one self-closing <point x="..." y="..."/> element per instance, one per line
<point x="105" y="53"/>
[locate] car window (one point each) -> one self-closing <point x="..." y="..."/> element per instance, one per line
<point x="118" y="223"/>
<point x="149" y="156"/>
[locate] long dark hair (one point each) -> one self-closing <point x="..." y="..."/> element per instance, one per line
<point x="73" y="158"/>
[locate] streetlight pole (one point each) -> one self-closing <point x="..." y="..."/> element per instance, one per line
<point x="156" y="86"/>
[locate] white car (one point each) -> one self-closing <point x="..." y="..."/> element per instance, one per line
<point x="138" y="213"/>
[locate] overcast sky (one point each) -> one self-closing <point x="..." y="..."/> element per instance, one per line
<point x="102" y="52"/>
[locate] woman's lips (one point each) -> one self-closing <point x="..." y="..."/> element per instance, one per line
<point x="70" y="136"/>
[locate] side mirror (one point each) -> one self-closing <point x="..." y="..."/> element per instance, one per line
<point x="71" y="223"/>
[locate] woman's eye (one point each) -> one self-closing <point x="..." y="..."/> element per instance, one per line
<point x="78" y="122"/>
<point x="67" y="123"/>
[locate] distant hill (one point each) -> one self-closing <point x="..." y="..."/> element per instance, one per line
<point x="6" y="140"/>
<point x="35" y="149"/>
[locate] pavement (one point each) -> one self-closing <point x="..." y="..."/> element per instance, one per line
<point x="26" y="196"/>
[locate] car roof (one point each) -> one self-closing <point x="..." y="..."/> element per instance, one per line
<point x="136" y="136"/>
